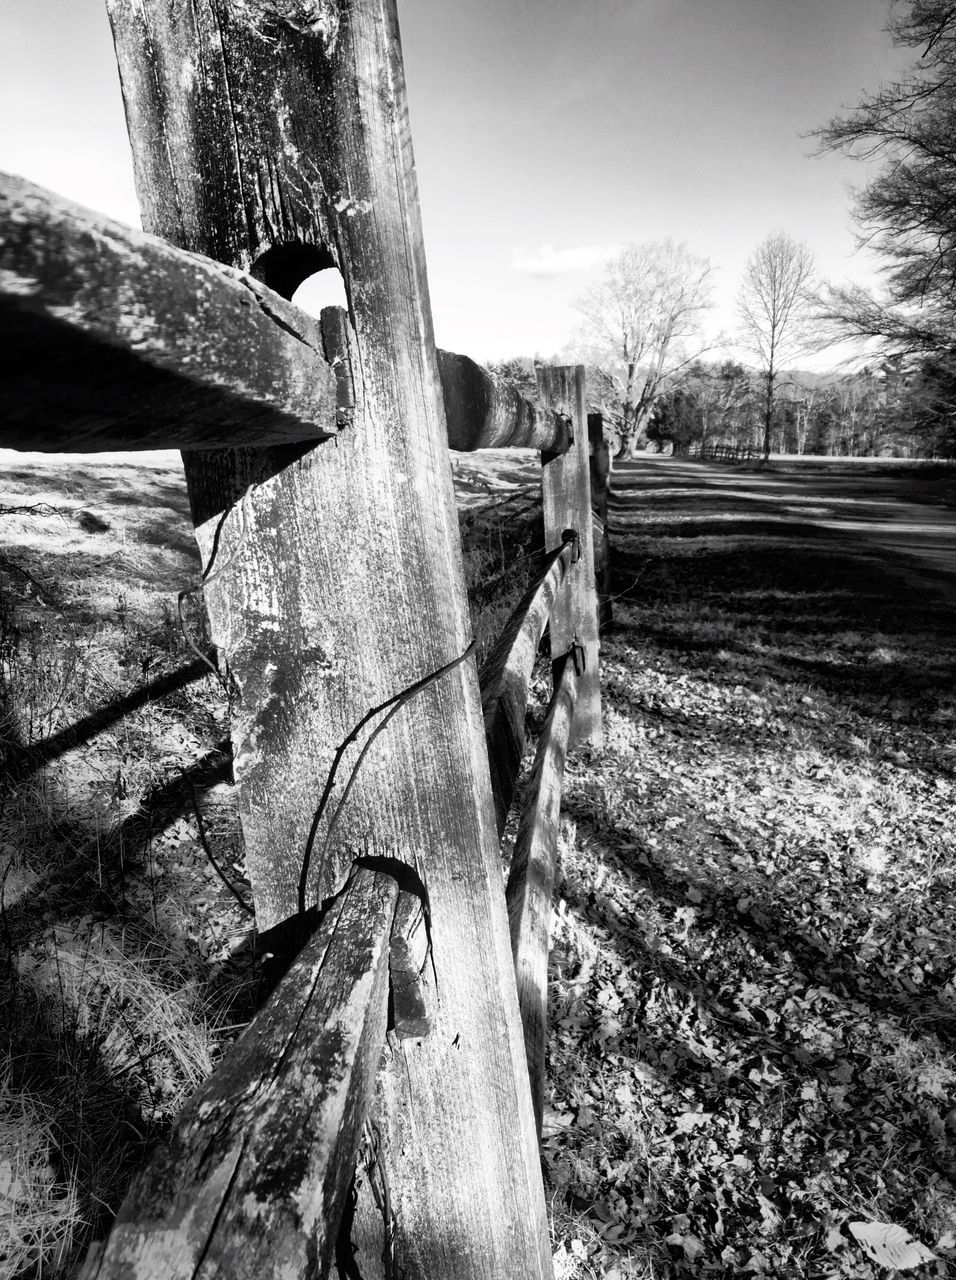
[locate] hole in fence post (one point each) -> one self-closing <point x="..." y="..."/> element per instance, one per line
<point x="307" y="276"/>
<point x="290" y="269"/>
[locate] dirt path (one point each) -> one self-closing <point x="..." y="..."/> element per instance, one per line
<point x="905" y="517"/>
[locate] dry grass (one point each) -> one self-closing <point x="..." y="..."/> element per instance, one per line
<point x="39" y="1211"/>
<point x="119" y="988"/>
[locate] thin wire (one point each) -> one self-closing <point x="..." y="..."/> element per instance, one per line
<point x="208" y="851"/>
<point x="396" y="702"/>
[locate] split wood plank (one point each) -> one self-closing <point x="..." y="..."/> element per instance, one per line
<point x="505" y="676"/>
<point x="113" y="339"/>
<point x="566" y="498"/>
<point x="334" y="576"/>
<point x="254" y="1178"/>
<point x="531" y="878"/>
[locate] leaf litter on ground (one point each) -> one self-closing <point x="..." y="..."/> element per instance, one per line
<point x="753" y="1005"/>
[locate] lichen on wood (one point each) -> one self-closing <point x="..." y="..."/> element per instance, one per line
<point x="352" y="552"/>
<point x="115" y="339"/>
<point x="318" y="18"/>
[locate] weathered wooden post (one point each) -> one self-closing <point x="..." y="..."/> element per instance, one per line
<point x="573" y="716"/>
<point x="273" y="135"/>
<point x="566" y="493"/>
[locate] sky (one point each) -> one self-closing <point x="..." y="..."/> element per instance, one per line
<point x="547" y="134"/>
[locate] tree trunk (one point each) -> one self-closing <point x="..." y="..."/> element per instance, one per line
<point x="768" y="413"/>
<point x="637" y="440"/>
<point x="633" y="421"/>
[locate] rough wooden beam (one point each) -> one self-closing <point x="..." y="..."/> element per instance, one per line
<point x="566" y="500"/>
<point x="505" y="676"/>
<point x="254" y="1178"/>
<point x="263" y="128"/>
<point x="531" y="878"/>
<point x="484" y="411"/>
<point x="113" y="339"/>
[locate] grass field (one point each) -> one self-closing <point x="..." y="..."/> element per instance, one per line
<point x="754" y="966"/>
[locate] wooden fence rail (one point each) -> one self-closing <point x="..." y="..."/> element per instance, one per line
<point x="532" y="875"/>
<point x="254" y="1179"/>
<point x="316" y="462"/>
<point x="505" y="676"/>
<point x="96" y="355"/>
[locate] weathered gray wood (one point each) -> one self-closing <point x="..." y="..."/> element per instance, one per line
<point x="566" y="496"/>
<point x="334" y="575"/>
<point x="484" y="411"/>
<point x="505" y="676"/>
<point x="112" y="339"/>
<point x="254" y="1178"/>
<point x="531" y="878"/>
<point x="599" y="462"/>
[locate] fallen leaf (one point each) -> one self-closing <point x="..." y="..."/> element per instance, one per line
<point x="891" y="1246"/>
<point x="689" y="1121"/>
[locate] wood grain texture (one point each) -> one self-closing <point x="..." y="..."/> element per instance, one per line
<point x="484" y="411"/>
<point x="112" y="339"/>
<point x="335" y="577"/>
<point x="255" y="1175"/>
<point x="531" y="878"/>
<point x="566" y="499"/>
<point x="505" y="676"/>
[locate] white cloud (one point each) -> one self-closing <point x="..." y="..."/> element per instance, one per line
<point x="548" y="261"/>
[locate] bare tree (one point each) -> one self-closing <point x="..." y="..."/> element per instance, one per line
<point x="774" y="307"/>
<point x="643" y="321"/>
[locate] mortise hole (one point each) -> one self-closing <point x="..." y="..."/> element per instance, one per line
<point x="286" y="266"/>
<point x="322" y="289"/>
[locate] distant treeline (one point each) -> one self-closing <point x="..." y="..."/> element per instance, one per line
<point x="886" y="410"/>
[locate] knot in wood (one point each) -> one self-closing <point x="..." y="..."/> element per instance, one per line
<point x="317" y="18"/>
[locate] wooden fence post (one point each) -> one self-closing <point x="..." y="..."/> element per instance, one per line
<point x="273" y="135"/>
<point x="566" y="495"/>
<point x="600" y="468"/>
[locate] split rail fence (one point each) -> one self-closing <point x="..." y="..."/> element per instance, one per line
<point x="724" y="452"/>
<point x="381" y="1114"/>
